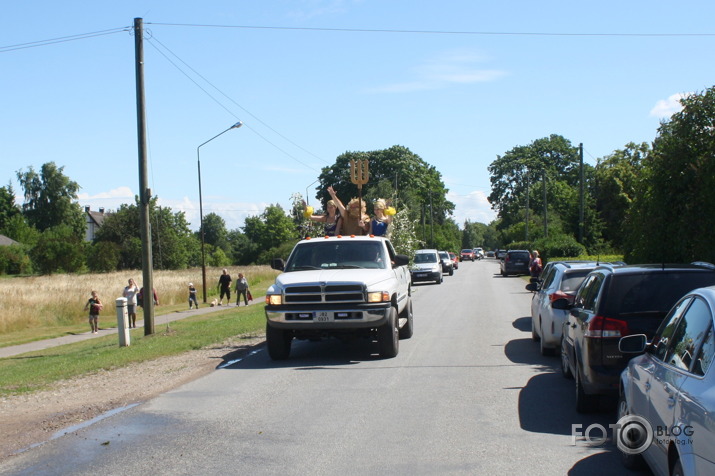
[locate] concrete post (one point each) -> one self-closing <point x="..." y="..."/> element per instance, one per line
<point x="123" y="322"/>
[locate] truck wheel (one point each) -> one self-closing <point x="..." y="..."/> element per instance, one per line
<point x="278" y="342"/>
<point x="388" y="338"/>
<point x="407" y="330"/>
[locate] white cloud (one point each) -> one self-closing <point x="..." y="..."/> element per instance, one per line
<point x="473" y="206"/>
<point x="451" y="67"/>
<point x="120" y="192"/>
<point x="665" y="108"/>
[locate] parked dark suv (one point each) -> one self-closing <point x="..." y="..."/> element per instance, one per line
<point x="612" y="302"/>
<point x="515" y="262"/>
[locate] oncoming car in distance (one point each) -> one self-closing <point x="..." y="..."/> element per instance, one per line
<point x="427" y="267"/>
<point x="466" y="255"/>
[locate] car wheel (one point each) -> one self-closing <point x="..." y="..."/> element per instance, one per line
<point x="407" y="330"/>
<point x="388" y="338"/>
<point x="565" y="369"/>
<point x="503" y="274"/>
<point x="534" y="335"/>
<point x="628" y="460"/>
<point x="585" y="403"/>
<point x="451" y="271"/>
<point x="278" y="341"/>
<point x="542" y="348"/>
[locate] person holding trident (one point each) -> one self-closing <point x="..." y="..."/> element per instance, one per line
<point x="356" y="221"/>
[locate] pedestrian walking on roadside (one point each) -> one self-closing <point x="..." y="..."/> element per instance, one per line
<point x="140" y="297"/>
<point x="224" y="285"/>
<point x="192" y="296"/>
<point x="130" y="292"/>
<point x="241" y="289"/>
<point x="535" y="266"/>
<point x="94" y="304"/>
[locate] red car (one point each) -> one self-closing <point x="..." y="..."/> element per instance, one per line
<point x="467" y="255"/>
<point x="454" y="259"/>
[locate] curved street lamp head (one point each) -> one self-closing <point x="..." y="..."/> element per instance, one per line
<point x="236" y="125"/>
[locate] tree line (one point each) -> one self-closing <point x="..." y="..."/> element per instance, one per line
<point x="647" y="202"/>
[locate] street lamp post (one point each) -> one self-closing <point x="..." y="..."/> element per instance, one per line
<point x="201" y="206"/>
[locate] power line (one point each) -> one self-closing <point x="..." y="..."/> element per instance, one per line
<point x="63" y="39"/>
<point x="154" y="40"/>
<point x="237" y="104"/>
<point x="435" y="32"/>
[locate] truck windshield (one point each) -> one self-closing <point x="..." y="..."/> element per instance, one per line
<point x="337" y="255"/>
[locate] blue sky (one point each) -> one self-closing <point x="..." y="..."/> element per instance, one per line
<point x="310" y="83"/>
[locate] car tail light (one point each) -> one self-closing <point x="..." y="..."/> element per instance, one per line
<point x="506" y="258"/>
<point x="559" y="295"/>
<point x="601" y="327"/>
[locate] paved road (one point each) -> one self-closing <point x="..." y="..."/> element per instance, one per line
<point x="468" y="394"/>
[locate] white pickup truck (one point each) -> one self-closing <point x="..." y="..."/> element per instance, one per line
<point x="340" y="286"/>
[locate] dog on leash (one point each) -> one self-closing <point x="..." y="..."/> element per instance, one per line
<point x="214" y="303"/>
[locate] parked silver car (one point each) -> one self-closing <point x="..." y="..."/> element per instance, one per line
<point x="559" y="280"/>
<point x="672" y="386"/>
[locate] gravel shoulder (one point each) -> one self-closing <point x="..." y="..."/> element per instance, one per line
<point x="35" y="418"/>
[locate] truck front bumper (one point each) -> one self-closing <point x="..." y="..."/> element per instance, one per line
<point x="337" y="317"/>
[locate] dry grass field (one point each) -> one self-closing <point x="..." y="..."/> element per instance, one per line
<point x="37" y="302"/>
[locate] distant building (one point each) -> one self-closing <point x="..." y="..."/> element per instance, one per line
<point x="94" y="222"/>
<point x="5" y="241"/>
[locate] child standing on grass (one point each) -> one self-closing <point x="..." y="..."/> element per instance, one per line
<point x="192" y="296"/>
<point x="94" y="305"/>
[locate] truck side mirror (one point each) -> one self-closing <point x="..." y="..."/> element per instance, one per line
<point x="401" y="260"/>
<point x="278" y="263"/>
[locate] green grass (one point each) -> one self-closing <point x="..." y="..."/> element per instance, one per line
<point x="107" y="320"/>
<point x="35" y="371"/>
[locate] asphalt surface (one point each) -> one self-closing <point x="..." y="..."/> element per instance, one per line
<point x="14" y="350"/>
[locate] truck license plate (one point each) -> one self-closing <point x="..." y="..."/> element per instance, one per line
<point x="322" y="316"/>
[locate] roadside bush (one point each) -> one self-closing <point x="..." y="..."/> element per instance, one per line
<point x="14" y="260"/>
<point x="559" y="245"/>
<point x="103" y="256"/>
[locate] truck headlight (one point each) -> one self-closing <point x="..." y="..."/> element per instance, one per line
<point x="274" y="299"/>
<point x="378" y="296"/>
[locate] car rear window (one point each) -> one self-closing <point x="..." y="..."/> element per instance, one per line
<point x="573" y="279"/>
<point x="522" y="255"/>
<point x="653" y="293"/>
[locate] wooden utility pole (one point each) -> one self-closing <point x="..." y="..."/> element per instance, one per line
<point x="546" y="220"/>
<point x="580" y="212"/>
<point x="144" y="191"/>
<point x="526" y="221"/>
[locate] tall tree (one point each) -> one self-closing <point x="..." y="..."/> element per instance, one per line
<point x="215" y="232"/>
<point x="395" y="173"/>
<point x="173" y="245"/>
<point x="8" y="208"/>
<point x="614" y="188"/>
<point x="51" y="199"/>
<point x="670" y="217"/>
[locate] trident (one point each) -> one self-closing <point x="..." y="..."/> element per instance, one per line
<point x="359" y="175"/>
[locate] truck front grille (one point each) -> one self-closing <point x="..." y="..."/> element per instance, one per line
<point x="330" y="293"/>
